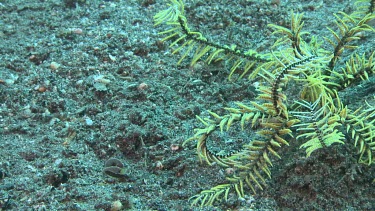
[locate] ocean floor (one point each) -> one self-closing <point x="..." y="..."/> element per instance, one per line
<point x="94" y="108"/>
